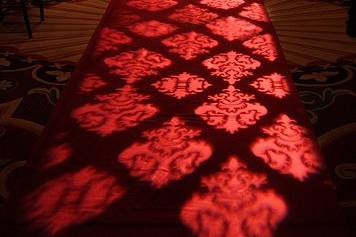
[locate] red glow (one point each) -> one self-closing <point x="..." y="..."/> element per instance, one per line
<point x="91" y="82"/>
<point x="263" y="45"/>
<point x="274" y="84"/>
<point x="152" y="28"/>
<point x="234" y="205"/>
<point x="56" y="155"/>
<point x="71" y="199"/>
<point x="111" y="40"/>
<point x="134" y="65"/>
<point x="174" y="89"/>
<point x="189" y="45"/>
<point x="114" y="112"/>
<point x="231" y="66"/>
<point x="181" y="85"/>
<point x="232" y="28"/>
<point x="231" y="110"/>
<point x="288" y="149"/>
<point x="256" y="12"/>
<point x="151" y="5"/>
<point x="127" y="18"/>
<point x="168" y="153"/>
<point x="193" y="14"/>
<point x="223" y="4"/>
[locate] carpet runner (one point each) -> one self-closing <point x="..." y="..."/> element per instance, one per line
<point x="181" y="120"/>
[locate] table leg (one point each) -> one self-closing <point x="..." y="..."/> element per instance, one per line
<point x="351" y="23"/>
<point x="42" y="9"/>
<point x="26" y="18"/>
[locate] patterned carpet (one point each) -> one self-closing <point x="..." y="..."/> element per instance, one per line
<point x="29" y="89"/>
<point x="323" y="70"/>
<point x="328" y="92"/>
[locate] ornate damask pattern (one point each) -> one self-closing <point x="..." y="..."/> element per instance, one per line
<point x="168" y="153"/>
<point x="189" y="45"/>
<point x="114" y="112"/>
<point x="71" y="199"/>
<point x="111" y="40"/>
<point x="234" y="205"/>
<point x="232" y="28"/>
<point x="92" y="82"/>
<point x="127" y="18"/>
<point x="133" y="65"/>
<point x="274" y="84"/>
<point x="223" y="4"/>
<point x="263" y="45"/>
<point x="181" y="85"/>
<point x="152" y="28"/>
<point x="151" y="5"/>
<point x="231" y="66"/>
<point x="255" y="12"/>
<point x="232" y="201"/>
<point x="193" y="14"/>
<point x="288" y="148"/>
<point x="231" y="110"/>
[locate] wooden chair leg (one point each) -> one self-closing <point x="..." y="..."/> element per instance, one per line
<point x="42" y="9"/>
<point x="25" y="16"/>
<point x="351" y="22"/>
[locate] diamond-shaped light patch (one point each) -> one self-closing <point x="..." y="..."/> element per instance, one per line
<point x="231" y="66"/>
<point x="189" y="45"/>
<point x="274" y="84"/>
<point x="255" y="12"/>
<point x="223" y="4"/>
<point x="232" y="28"/>
<point x="152" y="28"/>
<point x="264" y="46"/>
<point x="193" y="14"/>
<point x="166" y="154"/>
<point x="181" y="85"/>
<point x="288" y="148"/>
<point x="231" y="110"/>
<point x="151" y="5"/>
<point x="134" y="65"/>
<point x="111" y="40"/>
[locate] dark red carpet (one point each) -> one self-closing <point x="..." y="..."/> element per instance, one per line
<point x="181" y="120"/>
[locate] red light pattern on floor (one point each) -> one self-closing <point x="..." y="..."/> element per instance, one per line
<point x="188" y="61"/>
<point x="71" y="199"/>
<point x="56" y="155"/>
<point x="114" y="112"/>
<point x="193" y="14"/>
<point x="231" y="66"/>
<point x="232" y="28"/>
<point x="274" y="84"/>
<point x="127" y="18"/>
<point x="167" y="154"/>
<point x="223" y="4"/>
<point x="189" y="45"/>
<point x="288" y="149"/>
<point x="255" y="12"/>
<point x="151" y="5"/>
<point x="234" y="205"/>
<point x="181" y="85"/>
<point x="263" y="45"/>
<point x="231" y="110"/>
<point x="92" y="82"/>
<point x="111" y="40"/>
<point x="134" y="65"/>
<point x="152" y="28"/>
